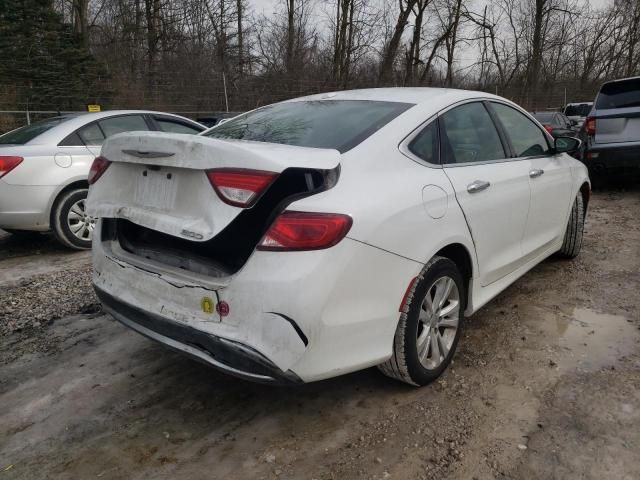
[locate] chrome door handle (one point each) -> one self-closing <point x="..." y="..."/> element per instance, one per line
<point x="478" y="186"/>
<point x="536" y="173"/>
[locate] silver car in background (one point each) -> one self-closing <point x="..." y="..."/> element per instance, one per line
<point x="44" y="168"/>
<point x="612" y="130"/>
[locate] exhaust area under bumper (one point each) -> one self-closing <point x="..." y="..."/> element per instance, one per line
<point x="222" y="354"/>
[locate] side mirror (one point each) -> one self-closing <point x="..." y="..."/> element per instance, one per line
<point x="566" y="144"/>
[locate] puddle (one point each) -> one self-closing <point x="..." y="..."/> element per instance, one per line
<point x="587" y="340"/>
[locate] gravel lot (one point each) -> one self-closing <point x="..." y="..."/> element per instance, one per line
<point x="546" y="384"/>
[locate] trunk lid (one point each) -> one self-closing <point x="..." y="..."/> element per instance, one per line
<point x="158" y="180"/>
<point x="618" y="125"/>
<point x="617" y="111"/>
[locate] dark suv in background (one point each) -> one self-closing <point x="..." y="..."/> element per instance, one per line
<point x="611" y="133"/>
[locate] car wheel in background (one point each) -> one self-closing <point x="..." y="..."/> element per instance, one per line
<point x="71" y="224"/>
<point x="429" y="328"/>
<point x="575" y="228"/>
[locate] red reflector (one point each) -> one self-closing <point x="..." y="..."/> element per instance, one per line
<point x="590" y="126"/>
<point x="548" y="128"/>
<point x="239" y="187"/>
<point x="222" y="308"/>
<point x="98" y="167"/>
<point x="8" y="163"/>
<point x="305" y="231"/>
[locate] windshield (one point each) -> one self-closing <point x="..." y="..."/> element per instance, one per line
<point x="25" y="134"/>
<point x="337" y="124"/>
<point x="581" y="110"/>
<point x="621" y="94"/>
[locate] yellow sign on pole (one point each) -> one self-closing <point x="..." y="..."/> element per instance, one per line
<point x="93" y="108"/>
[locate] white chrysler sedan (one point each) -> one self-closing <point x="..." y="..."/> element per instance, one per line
<point x="331" y="233"/>
<point x="44" y="167"/>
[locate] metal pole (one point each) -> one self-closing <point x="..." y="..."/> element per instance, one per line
<point x="565" y="96"/>
<point x="226" y="99"/>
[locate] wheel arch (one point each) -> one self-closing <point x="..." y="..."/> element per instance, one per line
<point x="73" y="184"/>
<point x="461" y="256"/>
<point x="585" y="191"/>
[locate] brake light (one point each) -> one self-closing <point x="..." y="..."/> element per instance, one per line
<point x="305" y="231"/>
<point x="8" y="163"/>
<point x="239" y="187"/>
<point x="590" y="126"/>
<point x="548" y="128"/>
<point x="98" y="167"/>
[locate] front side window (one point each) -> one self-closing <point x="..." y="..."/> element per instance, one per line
<point x="336" y="124"/>
<point x="526" y="137"/>
<point x="470" y="135"/>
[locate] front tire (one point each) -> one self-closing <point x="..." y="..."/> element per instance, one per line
<point x="71" y="225"/>
<point x="575" y="228"/>
<point x="429" y="328"/>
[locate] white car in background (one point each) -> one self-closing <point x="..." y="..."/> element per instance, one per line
<point x="331" y="233"/>
<point x="44" y="168"/>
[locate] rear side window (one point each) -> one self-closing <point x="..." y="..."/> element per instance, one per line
<point x="126" y="123"/>
<point x="470" y="135"/>
<point x="174" y="126"/>
<point x="91" y="134"/>
<point x="621" y="94"/>
<point x="425" y="144"/>
<point x="526" y="137"/>
<point x="337" y="124"/>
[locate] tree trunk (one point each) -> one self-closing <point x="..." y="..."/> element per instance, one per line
<point x="391" y="50"/>
<point x="240" y="39"/>
<point x="291" y="37"/>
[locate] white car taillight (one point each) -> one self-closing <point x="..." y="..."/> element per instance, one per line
<point x="240" y="187"/>
<point x="8" y="163"/>
<point x="305" y="231"/>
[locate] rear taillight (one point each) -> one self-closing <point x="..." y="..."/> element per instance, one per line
<point x="239" y="187"/>
<point x="590" y="126"/>
<point x="548" y="128"/>
<point x="8" y="163"/>
<point x="305" y="231"/>
<point x="98" y="167"/>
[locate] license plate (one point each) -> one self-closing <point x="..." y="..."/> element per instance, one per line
<point x="156" y="189"/>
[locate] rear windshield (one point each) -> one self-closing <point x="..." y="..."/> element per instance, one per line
<point x="581" y="110"/>
<point x="544" y="117"/>
<point x="619" y="94"/>
<point x="25" y="134"/>
<point x="337" y="124"/>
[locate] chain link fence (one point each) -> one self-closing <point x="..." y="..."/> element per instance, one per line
<point x="199" y="98"/>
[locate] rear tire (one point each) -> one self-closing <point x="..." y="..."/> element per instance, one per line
<point x="430" y="324"/>
<point x="575" y="228"/>
<point x="72" y="227"/>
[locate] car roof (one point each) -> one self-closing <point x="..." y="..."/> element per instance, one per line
<point x="75" y="121"/>
<point x="619" y="80"/>
<point x="415" y="95"/>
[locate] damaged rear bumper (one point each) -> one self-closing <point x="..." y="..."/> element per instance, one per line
<point x="225" y="355"/>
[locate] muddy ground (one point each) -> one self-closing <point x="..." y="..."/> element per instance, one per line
<point x="545" y="384"/>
